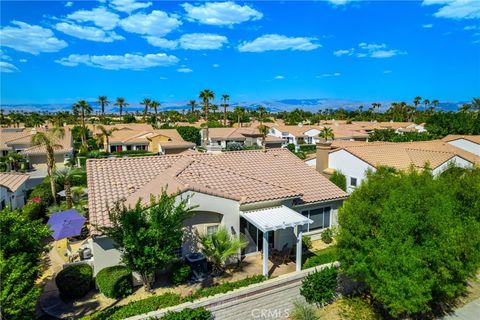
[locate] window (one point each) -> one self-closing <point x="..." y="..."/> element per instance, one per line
<point x="212" y="229"/>
<point x="141" y="147"/>
<point x="129" y="147"/>
<point x="320" y="217"/>
<point x="353" y="182"/>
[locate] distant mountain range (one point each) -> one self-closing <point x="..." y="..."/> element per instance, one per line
<point x="272" y="105"/>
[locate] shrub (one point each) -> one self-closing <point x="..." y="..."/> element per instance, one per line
<point x="43" y="191"/>
<point x="234" y="146"/>
<point x="327" y="236"/>
<point x="307" y="242"/>
<point x="34" y="210"/>
<point x="115" y="282"/>
<point x="291" y="147"/>
<point x="339" y="179"/>
<point x="321" y="257"/>
<point x="188" y="314"/>
<point x="190" y="134"/>
<point x="319" y="287"/>
<point x="225" y="287"/>
<point x="303" y="311"/>
<point x="75" y="281"/>
<point x="309" y="148"/>
<point x="180" y="273"/>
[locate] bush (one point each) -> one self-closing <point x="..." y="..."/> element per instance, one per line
<point x="308" y="148"/>
<point x="115" y="282"/>
<point x="190" y="134"/>
<point x="339" y="179"/>
<point x="321" y="257"/>
<point x="180" y="273"/>
<point x="303" y="311"/>
<point x="225" y="287"/>
<point x="234" y="146"/>
<point x="75" y="281"/>
<point x="34" y="210"/>
<point x="291" y="147"/>
<point x="319" y="287"/>
<point x="188" y="314"/>
<point x="43" y="191"/>
<point x="327" y="236"/>
<point x="307" y="242"/>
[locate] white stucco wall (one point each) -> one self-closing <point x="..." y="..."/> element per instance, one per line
<point x="457" y="161"/>
<point x="311" y="162"/>
<point x="350" y="166"/>
<point x="13" y="200"/>
<point x="466" y="145"/>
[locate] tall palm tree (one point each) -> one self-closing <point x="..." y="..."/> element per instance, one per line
<point x="475" y="104"/>
<point x="262" y="111"/>
<point x="263" y="129"/>
<point x="83" y="109"/>
<point x="193" y="105"/>
<point x="326" y="133"/>
<point x="435" y="103"/>
<point x="239" y="111"/>
<point x="206" y="95"/>
<point x="49" y="140"/>
<point x="146" y="103"/>
<point x="154" y="105"/>
<point x="65" y="177"/>
<point x="102" y="101"/>
<point x="120" y="104"/>
<point x="426" y="103"/>
<point x="466" y="107"/>
<point x="225" y="98"/>
<point x="416" y="101"/>
<point x="105" y="135"/>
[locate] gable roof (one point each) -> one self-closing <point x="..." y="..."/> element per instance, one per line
<point x="471" y="138"/>
<point x="23" y="137"/>
<point x="243" y="176"/>
<point x="13" y="180"/>
<point x="142" y="136"/>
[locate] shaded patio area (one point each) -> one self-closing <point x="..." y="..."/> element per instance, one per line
<point x="253" y="265"/>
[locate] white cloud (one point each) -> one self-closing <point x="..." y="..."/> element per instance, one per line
<point x="156" y="23"/>
<point x="118" y="62"/>
<point x="23" y="60"/>
<point x="184" y="70"/>
<point x="387" y="71"/>
<point x="163" y="78"/>
<point x="372" y="46"/>
<point x="456" y="9"/>
<point x="87" y="33"/>
<point x="128" y="6"/>
<point x="339" y="2"/>
<point x="202" y="41"/>
<point x="191" y="41"/>
<point x="386" y="53"/>
<point x="216" y="65"/>
<point x="69" y="4"/>
<point x="345" y="52"/>
<point x="221" y="13"/>
<point x="7" y="67"/>
<point x="328" y="75"/>
<point x="101" y="17"/>
<point x="427" y="26"/>
<point x="30" y="38"/>
<point x="279" y="78"/>
<point x="472" y="27"/>
<point x="270" y="42"/>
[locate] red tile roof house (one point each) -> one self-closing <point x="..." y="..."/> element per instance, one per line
<point x="272" y="197"/>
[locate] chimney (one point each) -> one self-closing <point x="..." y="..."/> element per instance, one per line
<point x="322" y="155"/>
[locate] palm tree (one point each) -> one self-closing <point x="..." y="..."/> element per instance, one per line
<point x="49" y="140"/>
<point x="65" y="177"/>
<point x="15" y="159"/>
<point x="225" y="98"/>
<point x="120" y="104"/>
<point x="83" y="108"/>
<point x="466" y="107"/>
<point x="426" y="102"/>
<point x="219" y="246"/>
<point x="375" y="105"/>
<point x="435" y="103"/>
<point x="262" y="111"/>
<point x="326" y="133"/>
<point x="416" y="101"/>
<point x="214" y="108"/>
<point x="239" y="112"/>
<point x="154" y="105"/>
<point x="206" y="95"/>
<point x="264" y="131"/>
<point x="193" y="105"/>
<point x="475" y="104"/>
<point x="105" y="134"/>
<point x="102" y="101"/>
<point x="146" y="103"/>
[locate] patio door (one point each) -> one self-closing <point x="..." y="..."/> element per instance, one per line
<point x="254" y="237"/>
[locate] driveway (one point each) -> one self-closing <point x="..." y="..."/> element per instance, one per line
<point x="470" y="311"/>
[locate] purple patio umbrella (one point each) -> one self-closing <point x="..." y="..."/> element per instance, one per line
<point x="66" y="224"/>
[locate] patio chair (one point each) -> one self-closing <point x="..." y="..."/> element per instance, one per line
<point x="282" y="255"/>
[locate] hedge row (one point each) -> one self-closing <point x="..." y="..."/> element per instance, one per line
<point x="115" y="282"/>
<point x="188" y="314"/>
<point x="168" y="299"/>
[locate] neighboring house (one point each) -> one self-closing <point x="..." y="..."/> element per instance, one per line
<point x="245" y="136"/>
<point x="13" y="191"/>
<point x="354" y="159"/>
<point x="243" y="191"/>
<point x="465" y="142"/>
<point x="20" y="140"/>
<point x="162" y="141"/>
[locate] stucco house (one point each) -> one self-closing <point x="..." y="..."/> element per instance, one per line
<point x="243" y="191"/>
<point x="249" y="136"/>
<point x="468" y="143"/>
<point x="354" y="159"/>
<point x="13" y="190"/>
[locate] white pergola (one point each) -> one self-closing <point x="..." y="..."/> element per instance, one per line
<point x="276" y="218"/>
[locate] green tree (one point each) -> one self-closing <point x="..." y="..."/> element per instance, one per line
<point x="148" y="236"/>
<point x="66" y="177"/>
<point x="206" y="95"/>
<point x="219" y="246"/>
<point x="146" y="104"/>
<point x="83" y="109"/>
<point x="339" y="179"/>
<point x="154" y="105"/>
<point x="120" y="103"/>
<point x="412" y="239"/>
<point x="326" y="133"/>
<point x="105" y="135"/>
<point x="21" y="245"/>
<point x="190" y="134"/>
<point x="49" y="140"/>
<point x="103" y="101"/>
<point x="264" y="130"/>
<point x="225" y="98"/>
<point x="193" y="105"/>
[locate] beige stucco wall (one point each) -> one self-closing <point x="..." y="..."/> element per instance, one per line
<point x="153" y="146"/>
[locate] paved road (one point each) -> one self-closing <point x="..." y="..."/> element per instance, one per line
<point x="273" y="304"/>
<point x="470" y="311"/>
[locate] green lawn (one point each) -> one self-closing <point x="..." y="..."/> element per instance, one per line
<point x="321" y="257"/>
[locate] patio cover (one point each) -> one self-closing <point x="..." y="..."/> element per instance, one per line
<point x="275" y="218"/>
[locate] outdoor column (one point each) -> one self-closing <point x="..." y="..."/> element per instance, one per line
<point x="265" y="254"/>
<point x="298" y="262"/>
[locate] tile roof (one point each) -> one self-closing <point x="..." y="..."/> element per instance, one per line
<point x="232" y="133"/>
<point x="64" y="145"/>
<point x="23" y="137"/>
<point x="471" y="138"/>
<point x="142" y="136"/>
<point x="244" y="176"/>
<point x="13" y="180"/>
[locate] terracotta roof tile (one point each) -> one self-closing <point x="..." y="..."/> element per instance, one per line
<point x="13" y="180"/>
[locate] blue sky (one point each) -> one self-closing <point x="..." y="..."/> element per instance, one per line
<point x="59" y="52"/>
